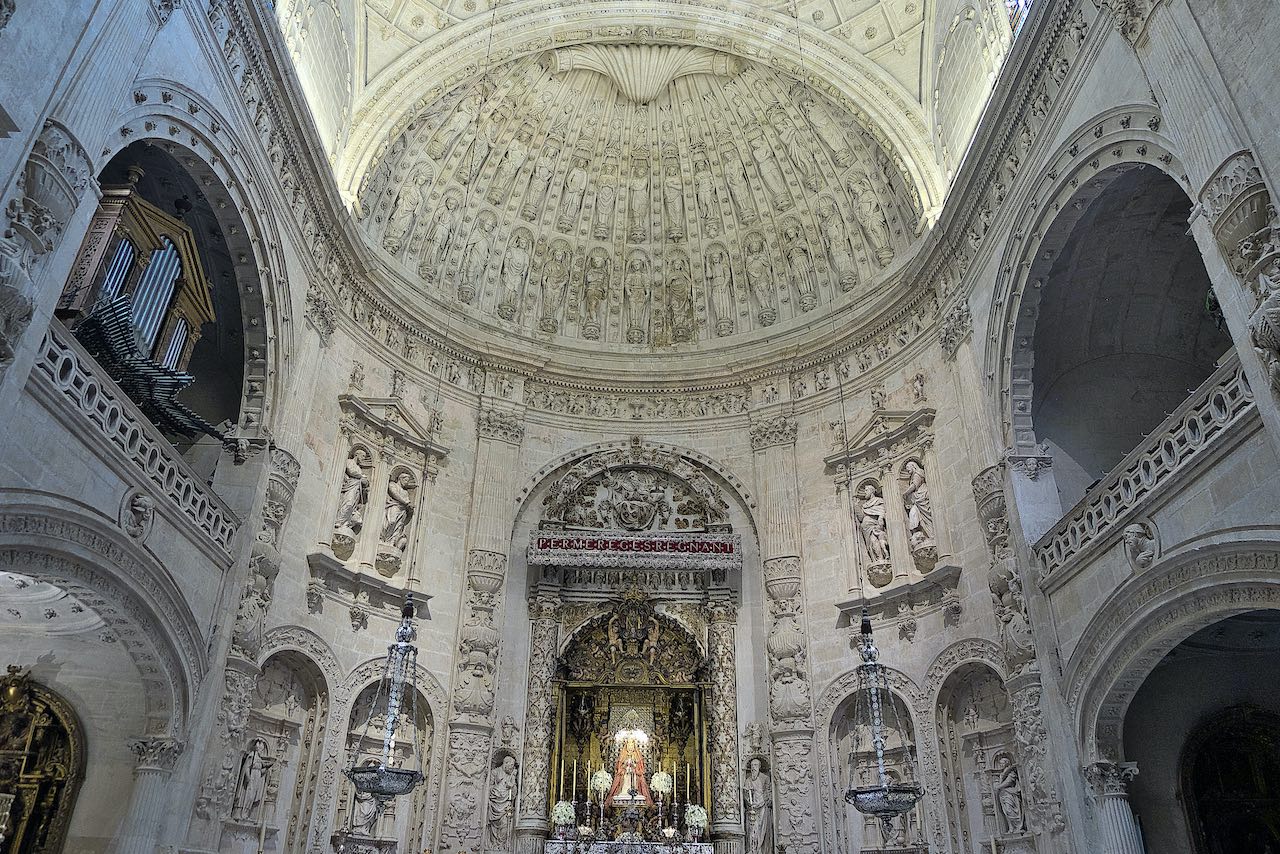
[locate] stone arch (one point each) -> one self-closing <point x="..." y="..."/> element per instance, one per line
<point x="343" y="701"/>
<point x="883" y="104"/>
<point x="1124" y="135"/>
<point x="957" y="655"/>
<point x="825" y="707"/>
<point x="194" y="132"/>
<point x="305" y="641"/>
<point x="64" y="543"/>
<point x="1148" y="616"/>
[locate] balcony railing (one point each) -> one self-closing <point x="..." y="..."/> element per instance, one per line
<point x="1184" y="439"/>
<point x="104" y="409"/>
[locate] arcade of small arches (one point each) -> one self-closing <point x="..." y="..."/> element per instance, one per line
<point x="646" y="352"/>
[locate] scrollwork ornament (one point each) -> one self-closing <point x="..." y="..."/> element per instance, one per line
<point x="770" y="432"/>
<point x="501" y="425"/>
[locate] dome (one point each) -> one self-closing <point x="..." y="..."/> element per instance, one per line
<point x="638" y="197"/>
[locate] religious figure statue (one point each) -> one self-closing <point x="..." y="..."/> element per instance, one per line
<point x="919" y="509"/>
<point x="718" y="280"/>
<point x="399" y="511"/>
<point x="836" y="244"/>
<point x="735" y="175"/>
<point x="680" y="299"/>
<point x="760" y="279"/>
<point x="614" y="631"/>
<point x="476" y="259"/>
<point x="355" y="485"/>
<point x="517" y="154"/>
<point x="502" y="803"/>
<point x="828" y="130"/>
<point x="474" y="692"/>
<point x="463" y="117"/>
<point x="440" y="237"/>
<point x="515" y="266"/>
<point x="539" y="182"/>
<point x="636" y="292"/>
<point x="870" y="215"/>
<point x="638" y="199"/>
<point x="635" y="503"/>
<point x="770" y="173"/>
<point x="606" y="202"/>
<point x="251" y="786"/>
<point x="704" y="193"/>
<point x="1139" y="545"/>
<point x="757" y="802"/>
<point x="802" y="272"/>
<point x="404" y="211"/>
<point x="673" y="201"/>
<point x="575" y="187"/>
<point x="1008" y="791"/>
<point x="873" y="523"/>
<point x="473" y="158"/>
<point x="555" y="283"/>
<point x="595" y="293"/>
<point x="366" y="810"/>
<point x="629" y="783"/>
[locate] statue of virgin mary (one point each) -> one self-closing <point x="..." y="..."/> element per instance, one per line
<point x="630" y="787"/>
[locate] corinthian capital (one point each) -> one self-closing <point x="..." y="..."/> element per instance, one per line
<point x="1110" y="778"/>
<point x="500" y="424"/>
<point x="768" y="432"/>
<point x="156" y="753"/>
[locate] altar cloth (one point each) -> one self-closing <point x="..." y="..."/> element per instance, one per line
<point x="568" y="846"/>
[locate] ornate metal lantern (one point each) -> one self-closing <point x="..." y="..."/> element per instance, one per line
<point x="382" y="779"/>
<point x="888" y="798"/>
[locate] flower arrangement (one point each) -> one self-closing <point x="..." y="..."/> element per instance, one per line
<point x="601" y="781"/>
<point x="563" y="814"/>
<point x="662" y="783"/>
<point x="696" y="817"/>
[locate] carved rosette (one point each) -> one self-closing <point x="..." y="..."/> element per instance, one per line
<point x="501" y="425"/>
<point x="956" y="327"/>
<point x="726" y="813"/>
<point x="535" y="768"/>
<point x="770" y="432"/>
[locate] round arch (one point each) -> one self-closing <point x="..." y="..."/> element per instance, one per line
<point x="59" y="541"/>
<point x="958" y="655"/>
<point x="192" y="131"/>
<point x="302" y="640"/>
<point x="1148" y="616"/>
<point x="884" y="105"/>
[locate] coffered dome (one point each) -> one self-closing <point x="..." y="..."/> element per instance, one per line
<point x="638" y="196"/>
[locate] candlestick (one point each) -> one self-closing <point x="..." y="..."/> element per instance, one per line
<point x="560" y="791"/>
<point x="687" y="790"/>
<point x="575" y="782"/>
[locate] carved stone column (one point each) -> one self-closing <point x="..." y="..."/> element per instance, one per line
<point x="1044" y="808"/>
<point x="790" y="698"/>
<point x="539" y="723"/>
<point x="149" y="802"/>
<point x="726" y="799"/>
<point x="1117" y="830"/>
<point x="471" y="717"/>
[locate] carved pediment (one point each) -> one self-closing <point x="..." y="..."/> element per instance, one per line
<point x="387" y="421"/>
<point x="885" y="435"/>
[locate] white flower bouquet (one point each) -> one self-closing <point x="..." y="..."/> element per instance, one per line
<point x="563" y="814"/>
<point x="662" y="783"/>
<point x="601" y="781"/>
<point x="695" y="817"/>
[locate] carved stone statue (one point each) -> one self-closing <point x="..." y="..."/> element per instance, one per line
<point x="517" y="154"/>
<point x="606" y="202"/>
<point x="443" y="230"/>
<point x="1140" y="545"/>
<point x="775" y="183"/>
<point x="735" y="176"/>
<point x="555" y="284"/>
<point x="404" y="212"/>
<point x="366" y="810"/>
<point x="718" y="280"/>
<point x="836" y="244"/>
<point x="870" y="215"/>
<point x="463" y="117"/>
<point x="828" y="130"/>
<point x="354" y="494"/>
<point x="595" y="293"/>
<point x="251" y="785"/>
<point x="503" y="782"/>
<point x="673" y="201"/>
<point x="575" y="187"/>
<point x="476" y="259"/>
<point x="399" y="510"/>
<point x="803" y="274"/>
<point x="474" y="691"/>
<point x="515" y="267"/>
<point x="760" y="279"/>
<point x="757" y="802"/>
<point x="638" y="205"/>
<point x="872" y="523"/>
<point x="1008" y="791"/>
<point x="915" y="498"/>
<point x="704" y="194"/>
<point x="540" y="182"/>
<point x="636" y="293"/>
<point x="680" y="299"/>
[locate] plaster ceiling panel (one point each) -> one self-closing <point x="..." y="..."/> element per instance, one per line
<point x="901" y="58"/>
<point x="638" y="196"/>
<point x="384" y="43"/>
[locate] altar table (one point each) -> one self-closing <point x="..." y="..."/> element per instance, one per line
<point x="556" y="846"/>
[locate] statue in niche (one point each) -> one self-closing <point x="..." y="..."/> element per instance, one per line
<point x="870" y="215"/>
<point x="575" y="188"/>
<point x="540" y="182"/>
<point x="475" y="259"/>
<point x="1008" y="791"/>
<point x="555" y="284"/>
<point x="836" y="244"/>
<point x="757" y="802"/>
<point x="915" y="499"/>
<point x="366" y="810"/>
<point x="399" y="510"/>
<point x="474" y="157"/>
<point x="595" y="293"/>
<point x="404" y="211"/>
<point x="795" y="146"/>
<point x="515" y="267"/>
<point x="463" y="117"/>
<point x="760" y="279"/>
<point x="735" y="174"/>
<point x="251" y="785"/>
<point x="719" y="282"/>
<point x="606" y="202"/>
<point x="638" y="205"/>
<point x="503" y="783"/>
<point x="673" y="201"/>
<point x="440" y="237"/>
<point x="680" y="299"/>
<point x="828" y="130"/>
<point x="510" y="732"/>
<point x="803" y="274"/>
<point x="704" y="195"/>
<point x="629" y="783"/>
<point x="636" y="293"/>
<point x="354" y="493"/>
<point x="512" y="161"/>
<point x="775" y="183"/>
<point x="872" y="523"/>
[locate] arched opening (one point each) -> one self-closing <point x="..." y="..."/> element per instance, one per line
<point x="1126" y="326"/>
<point x="155" y="296"/>
<point x="42" y="747"/>
<point x="982" y="781"/>
<point x="1204" y="730"/>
